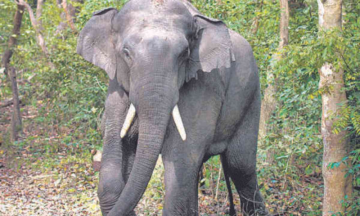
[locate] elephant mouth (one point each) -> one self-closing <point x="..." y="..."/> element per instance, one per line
<point x="175" y="114"/>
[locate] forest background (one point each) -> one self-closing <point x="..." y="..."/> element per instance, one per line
<point x="46" y="164"/>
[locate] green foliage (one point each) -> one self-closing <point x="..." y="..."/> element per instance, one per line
<point x="7" y="10"/>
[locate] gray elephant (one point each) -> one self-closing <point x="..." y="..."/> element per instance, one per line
<point x="181" y="85"/>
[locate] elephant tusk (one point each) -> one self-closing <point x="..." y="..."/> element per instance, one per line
<point x="178" y="122"/>
<point x="128" y="120"/>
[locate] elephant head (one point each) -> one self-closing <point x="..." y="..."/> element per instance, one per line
<point x="152" y="48"/>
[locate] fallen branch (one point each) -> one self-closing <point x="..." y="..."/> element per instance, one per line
<point x="41" y="176"/>
<point x="8" y="102"/>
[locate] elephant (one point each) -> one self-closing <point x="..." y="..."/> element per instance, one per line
<point x="181" y="85"/>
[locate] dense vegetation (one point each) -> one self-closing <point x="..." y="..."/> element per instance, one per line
<point x="67" y="100"/>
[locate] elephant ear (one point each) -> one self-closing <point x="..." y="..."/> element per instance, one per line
<point x="95" y="42"/>
<point x="211" y="46"/>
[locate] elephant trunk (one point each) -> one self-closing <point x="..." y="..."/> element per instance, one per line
<point x="154" y="108"/>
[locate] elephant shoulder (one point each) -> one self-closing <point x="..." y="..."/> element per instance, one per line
<point x="244" y="57"/>
<point x="241" y="46"/>
<point x="245" y="64"/>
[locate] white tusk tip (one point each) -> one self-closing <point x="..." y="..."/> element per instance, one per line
<point x="183" y="137"/>
<point x="128" y="120"/>
<point x="178" y="122"/>
<point x="122" y="133"/>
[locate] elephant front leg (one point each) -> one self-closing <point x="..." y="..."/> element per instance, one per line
<point x="181" y="197"/>
<point x="181" y="184"/>
<point x="111" y="183"/>
<point x="118" y="155"/>
<point x="115" y="169"/>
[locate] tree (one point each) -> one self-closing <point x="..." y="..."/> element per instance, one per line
<point x="11" y="73"/>
<point x="13" y="38"/>
<point x="336" y="145"/>
<point x="269" y="102"/>
<point x="37" y="25"/>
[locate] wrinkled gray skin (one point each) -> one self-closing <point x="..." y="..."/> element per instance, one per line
<point x="159" y="54"/>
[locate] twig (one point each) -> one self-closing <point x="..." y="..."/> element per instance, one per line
<point x="68" y="17"/>
<point x="342" y="56"/>
<point x="217" y="184"/>
<point x="99" y="84"/>
<point x="42" y="176"/>
<point x="30" y="78"/>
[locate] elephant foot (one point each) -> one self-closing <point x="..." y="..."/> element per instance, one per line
<point x="260" y="210"/>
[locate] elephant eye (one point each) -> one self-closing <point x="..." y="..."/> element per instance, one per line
<point x="126" y="52"/>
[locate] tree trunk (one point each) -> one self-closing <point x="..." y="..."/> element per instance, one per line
<point x="16" y="115"/>
<point x="13" y="38"/>
<point x="284" y="24"/>
<point x="336" y="146"/>
<point x="269" y="102"/>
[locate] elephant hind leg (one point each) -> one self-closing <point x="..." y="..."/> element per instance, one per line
<point x="240" y="161"/>
<point x="242" y="171"/>
<point x="251" y="199"/>
<point x="232" y="211"/>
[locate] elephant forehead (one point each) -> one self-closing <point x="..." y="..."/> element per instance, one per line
<point x="171" y="6"/>
<point x="169" y="16"/>
<point x="173" y="28"/>
<point x="152" y="39"/>
<point x="159" y="20"/>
